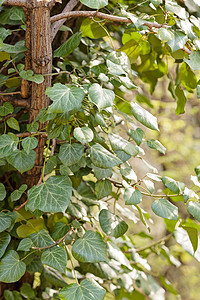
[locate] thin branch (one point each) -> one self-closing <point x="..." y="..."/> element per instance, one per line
<point x="55" y="27"/>
<point x="13" y="93"/>
<point x="16" y="102"/>
<point x="25" y="134"/>
<point x="97" y="14"/>
<point x="56" y="243"/>
<point x="53" y="147"/>
<point x="19" y="207"/>
<point x="162" y="240"/>
<point x="15" y="2"/>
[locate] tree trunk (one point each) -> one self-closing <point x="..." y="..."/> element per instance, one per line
<point x="38" y="57"/>
<point x="41" y="56"/>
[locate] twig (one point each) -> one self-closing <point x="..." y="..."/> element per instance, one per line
<point x="16" y="102"/>
<point x="56" y="243"/>
<point x="25" y="134"/>
<point x="162" y="240"/>
<point x="22" y="205"/>
<point x="53" y="147"/>
<point x="97" y="14"/>
<point x="55" y="27"/>
<point x="13" y="93"/>
<point x="15" y="2"/>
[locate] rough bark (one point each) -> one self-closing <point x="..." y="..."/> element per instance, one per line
<point x="25" y="86"/>
<point x="41" y="56"/>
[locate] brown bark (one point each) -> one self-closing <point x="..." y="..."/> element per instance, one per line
<point x="41" y="56"/>
<point x="25" y="86"/>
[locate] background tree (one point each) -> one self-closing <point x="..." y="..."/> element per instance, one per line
<point x="69" y="187"/>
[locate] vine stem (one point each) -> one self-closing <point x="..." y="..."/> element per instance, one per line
<point x="162" y="240"/>
<point x="56" y="243"/>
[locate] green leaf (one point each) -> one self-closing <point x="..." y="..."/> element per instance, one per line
<point x="41" y="238"/>
<point x="187" y="77"/>
<point x="29" y="75"/>
<point x="90" y="248"/>
<point x="17" y="14"/>
<point x="6" y="109"/>
<point x="173" y="185"/>
<point x="144" y="117"/>
<point x="96" y="4"/>
<point x="29" y="143"/>
<point x="103" y="98"/>
<point x="180" y="109"/>
<point x="178" y="41"/>
<point x="132" y="196"/>
<point x="112" y="224"/>
<point x="11" y="268"/>
<point x="193" y="235"/>
<point x="71" y="153"/>
<point x="103" y="188"/>
<point x="25" y="245"/>
<point x="51" y="196"/>
<point x="21" y="161"/>
<point x="103" y="158"/>
<point x="59" y="230"/>
<point x="163" y="208"/>
<point x="55" y="258"/>
<point x="92" y="29"/>
<point x="4" y="241"/>
<point x="17" y="48"/>
<point x="4" y="32"/>
<point x="69" y="46"/>
<point x="83" y="134"/>
<point x="2" y="192"/>
<point x="194" y="209"/>
<point x="5" y="222"/>
<point x="86" y="290"/>
<point x="27" y="291"/>
<point x="65" y="98"/>
<point x="118" y="143"/>
<point x="172" y="6"/>
<point x="165" y="35"/>
<point x="16" y="195"/>
<point x="137" y="135"/>
<point x="31" y="226"/>
<point x="194" y="60"/>
<point x="13" y="123"/>
<point x="127" y="172"/>
<point x="101" y="173"/>
<point x="155" y="144"/>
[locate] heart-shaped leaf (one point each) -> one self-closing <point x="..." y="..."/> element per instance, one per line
<point x="101" y="97"/>
<point x="55" y="258"/>
<point x="90" y="248"/>
<point x="21" y="160"/>
<point x="103" y="158"/>
<point x="11" y="268"/>
<point x="51" y="196"/>
<point x="70" y="154"/>
<point x="64" y="97"/>
<point x="111" y="224"/>
<point x="86" y="290"/>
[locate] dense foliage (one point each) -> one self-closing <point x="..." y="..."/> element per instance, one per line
<point x="71" y="232"/>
